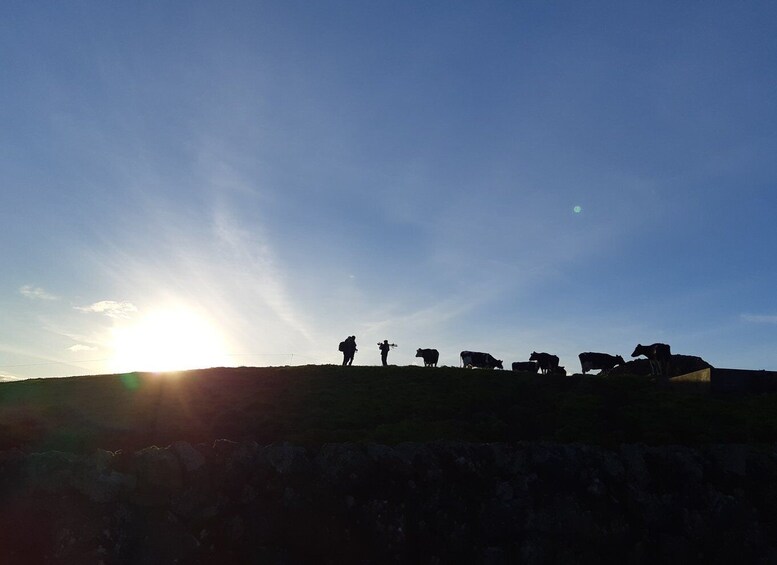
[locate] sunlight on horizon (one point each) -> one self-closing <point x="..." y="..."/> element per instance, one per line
<point x="168" y="339"/>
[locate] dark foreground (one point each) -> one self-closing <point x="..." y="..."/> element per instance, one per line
<point x="414" y="503"/>
<point x="346" y="465"/>
<point x="322" y="404"/>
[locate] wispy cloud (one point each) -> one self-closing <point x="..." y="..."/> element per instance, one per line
<point x="80" y="347"/>
<point x="434" y="316"/>
<point x="254" y="254"/>
<point x="110" y="308"/>
<point x="759" y="318"/>
<point x="35" y="293"/>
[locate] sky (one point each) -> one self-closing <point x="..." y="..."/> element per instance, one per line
<point x="196" y="184"/>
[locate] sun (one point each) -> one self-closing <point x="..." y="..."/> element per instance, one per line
<point x="173" y="339"/>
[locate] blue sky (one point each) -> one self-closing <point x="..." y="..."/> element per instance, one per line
<point x="246" y="183"/>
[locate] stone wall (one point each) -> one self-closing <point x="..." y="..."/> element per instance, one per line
<point x="423" y="503"/>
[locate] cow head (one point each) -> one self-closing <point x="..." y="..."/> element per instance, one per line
<point x="418" y="353"/>
<point x="639" y="350"/>
<point x="499" y="364"/>
<point x="619" y="359"/>
<point x="534" y="356"/>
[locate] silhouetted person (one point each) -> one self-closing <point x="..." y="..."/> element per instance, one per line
<point x="384" y="349"/>
<point x="348" y="347"/>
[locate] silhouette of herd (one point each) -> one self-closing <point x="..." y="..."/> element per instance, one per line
<point x="658" y="354"/>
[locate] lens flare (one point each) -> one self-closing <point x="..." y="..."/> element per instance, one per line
<point x="130" y="381"/>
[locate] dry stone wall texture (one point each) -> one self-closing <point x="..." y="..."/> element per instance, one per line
<point x="414" y="503"/>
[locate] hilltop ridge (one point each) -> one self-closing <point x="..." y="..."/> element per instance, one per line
<point x="317" y="404"/>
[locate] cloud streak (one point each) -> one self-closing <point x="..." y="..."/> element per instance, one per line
<point x="254" y="254"/>
<point x="35" y="293"/>
<point x="759" y="318"/>
<point x="110" y="308"/>
<point x="80" y="347"/>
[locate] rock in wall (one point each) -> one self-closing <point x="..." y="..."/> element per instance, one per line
<point x="423" y="503"/>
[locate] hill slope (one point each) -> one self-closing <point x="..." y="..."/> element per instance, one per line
<point x="312" y="405"/>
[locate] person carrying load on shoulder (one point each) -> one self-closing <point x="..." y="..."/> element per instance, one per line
<point x="384" y="349"/>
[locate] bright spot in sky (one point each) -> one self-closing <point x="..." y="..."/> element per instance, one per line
<point x="578" y="209"/>
<point x="168" y="340"/>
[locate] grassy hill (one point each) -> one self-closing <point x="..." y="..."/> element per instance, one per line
<point x="318" y="404"/>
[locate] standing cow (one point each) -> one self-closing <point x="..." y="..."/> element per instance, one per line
<point x="480" y="360"/>
<point x="603" y="362"/>
<point x="430" y="356"/>
<point x="548" y="363"/>
<point x="659" y="354"/>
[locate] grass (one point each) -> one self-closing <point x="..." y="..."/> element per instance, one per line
<point x="312" y="405"/>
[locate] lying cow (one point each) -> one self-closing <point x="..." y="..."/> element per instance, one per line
<point x="430" y="356"/>
<point x="603" y="362"/>
<point x="659" y="354"/>
<point x="547" y="363"/>
<point x="480" y="360"/>
<point x="525" y="366"/>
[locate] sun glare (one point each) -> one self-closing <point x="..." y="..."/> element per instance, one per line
<point x="168" y="340"/>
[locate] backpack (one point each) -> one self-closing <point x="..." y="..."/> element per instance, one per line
<point x="341" y="347"/>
